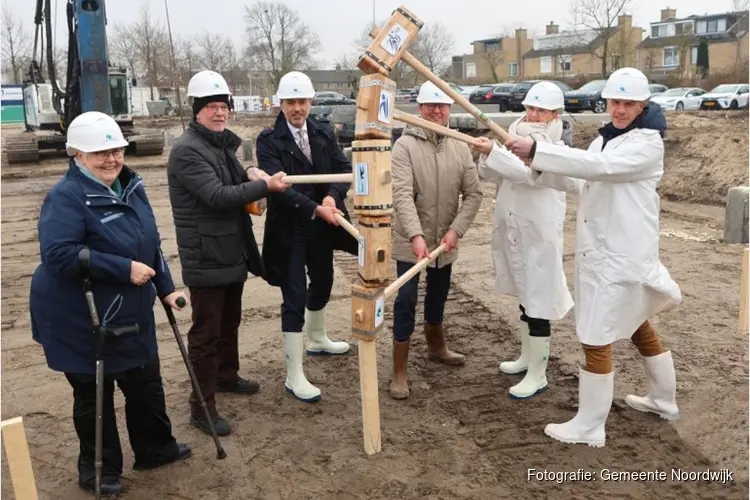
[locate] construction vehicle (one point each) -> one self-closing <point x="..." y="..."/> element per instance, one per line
<point x="92" y="83"/>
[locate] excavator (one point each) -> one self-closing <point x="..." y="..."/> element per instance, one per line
<point x="92" y="83"/>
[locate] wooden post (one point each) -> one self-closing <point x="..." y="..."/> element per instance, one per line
<point x="19" y="460"/>
<point x="743" y="321"/>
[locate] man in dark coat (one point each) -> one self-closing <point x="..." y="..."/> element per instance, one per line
<point x="208" y="191"/>
<point x="301" y="229"/>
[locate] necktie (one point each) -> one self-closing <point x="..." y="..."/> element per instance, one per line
<point x="304" y="145"/>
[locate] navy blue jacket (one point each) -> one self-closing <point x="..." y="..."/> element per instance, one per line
<point x="278" y="152"/>
<point x="78" y="212"/>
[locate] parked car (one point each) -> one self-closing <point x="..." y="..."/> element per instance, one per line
<point x="726" y="96"/>
<point x="500" y="95"/>
<point x="331" y="99"/>
<point x="588" y="97"/>
<point x="403" y="96"/>
<point x="679" y="98"/>
<point x="519" y="91"/>
<point x="657" y="88"/>
<point x="466" y="90"/>
<point x="479" y="93"/>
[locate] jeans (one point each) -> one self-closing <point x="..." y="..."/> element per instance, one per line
<point x="438" y="284"/>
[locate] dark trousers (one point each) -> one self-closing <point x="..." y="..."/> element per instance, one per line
<point x="149" y="429"/>
<point x="212" y="340"/>
<point x="537" y="327"/>
<point x="312" y="253"/>
<point x="404" y="308"/>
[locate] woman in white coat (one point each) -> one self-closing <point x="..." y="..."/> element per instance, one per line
<point x="620" y="283"/>
<point x="527" y="236"/>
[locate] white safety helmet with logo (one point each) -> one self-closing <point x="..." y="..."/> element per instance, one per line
<point x="627" y="84"/>
<point x="295" y="85"/>
<point x="429" y="93"/>
<point x="94" y="131"/>
<point x="207" y="83"/>
<point x="545" y="95"/>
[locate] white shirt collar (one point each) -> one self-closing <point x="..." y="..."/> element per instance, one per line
<point x="295" y="130"/>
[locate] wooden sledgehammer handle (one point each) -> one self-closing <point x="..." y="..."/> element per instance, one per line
<point x="318" y="179"/>
<point x="418" y="122"/>
<point x="347" y="226"/>
<point x="415" y="269"/>
<point x="460" y="100"/>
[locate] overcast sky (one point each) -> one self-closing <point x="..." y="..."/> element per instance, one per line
<point x="339" y="22"/>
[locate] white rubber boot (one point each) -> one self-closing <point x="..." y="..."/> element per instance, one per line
<point x="520" y="364"/>
<point x="662" y="383"/>
<point x="317" y="340"/>
<point x="594" y="402"/>
<point x="296" y="382"/>
<point x="535" y="380"/>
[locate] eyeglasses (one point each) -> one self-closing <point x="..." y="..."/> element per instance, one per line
<point x="215" y="108"/>
<point x="440" y="106"/>
<point x="118" y="154"/>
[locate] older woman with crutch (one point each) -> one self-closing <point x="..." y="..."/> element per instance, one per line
<point x="98" y="233"/>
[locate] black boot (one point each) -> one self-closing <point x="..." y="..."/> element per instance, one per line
<point x="176" y="453"/>
<point x="239" y="386"/>
<point x="220" y="425"/>
<point x="111" y="485"/>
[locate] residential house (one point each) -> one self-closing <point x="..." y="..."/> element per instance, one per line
<point x="498" y="59"/>
<point x="324" y="80"/>
<point x="581" y="52"/>
<point x="672" y="45"/>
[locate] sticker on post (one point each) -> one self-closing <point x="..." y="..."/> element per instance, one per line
<point x="379" y="312"/>
<point x="361" y="187"/>
<point x="395" y="38"/>
<point x="385" y="107"/>
<point x="361" y="252"/>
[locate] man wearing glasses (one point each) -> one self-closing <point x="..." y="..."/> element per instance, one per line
<point x="208" y="191"/>
<point x="431" y="173"/>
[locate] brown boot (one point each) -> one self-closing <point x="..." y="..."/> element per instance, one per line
<point x="435" y="335"/>
<point x="399" y="384"/>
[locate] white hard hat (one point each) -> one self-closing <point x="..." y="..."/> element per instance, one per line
<point x="94" y="131"/>
<point x="627" y="84"/>
<point x="545" y="95"/>
<point x="206" y="83"/>
<point x="295" y="85"/>
<point x="429" y="93"/>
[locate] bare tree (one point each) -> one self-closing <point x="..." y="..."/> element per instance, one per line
<point x="152" y="47"/>
<point x="433" y="46"/>
<point x="278" y="41"/>
<point x="16" y="45"/>
<point x="600" y="16"/>
<point x="740" y="5"/>
<point x="402" y="73"/>
<point x="123" y="47"/>
<point x="213" y="51"/>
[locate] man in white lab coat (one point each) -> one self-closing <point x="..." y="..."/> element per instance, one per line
<point x="620" y="283"/>
<point x="527" y="236"/>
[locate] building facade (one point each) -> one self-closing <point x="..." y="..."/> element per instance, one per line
<point x="494" y="60"/>
<point x="673" y="43"/>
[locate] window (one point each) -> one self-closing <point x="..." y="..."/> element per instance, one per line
<point x="700" y="27"/>
<point x="671" y="56"/>
<point x="492" y="47"/>
<point x="513" y="69"/>
<point x="693" y="56"/>
<point x="545" y="64"/>
<point x="565" y="63"/>
<point x="615" y="62"/>
<point x="660" y="30"/>
<point x="683" y="28"/>
<point x="470" y="70"/>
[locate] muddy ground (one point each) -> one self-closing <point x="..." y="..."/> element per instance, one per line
<point x="459" y="435"/>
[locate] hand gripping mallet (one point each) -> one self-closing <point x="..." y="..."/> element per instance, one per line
<point x="100" y="334"/>
<point x="220" y="453"/>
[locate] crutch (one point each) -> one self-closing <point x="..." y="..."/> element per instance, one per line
<point x="100" y="333"/>
<point x="220" y="453"/>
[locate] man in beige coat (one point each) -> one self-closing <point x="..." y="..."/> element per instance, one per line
<point x="430" y="174"/>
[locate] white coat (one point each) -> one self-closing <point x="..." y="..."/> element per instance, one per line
<point x="619" y="280"/>
<point x="527" y="232"/>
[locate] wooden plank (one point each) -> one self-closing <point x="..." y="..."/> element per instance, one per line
<point x="368" y="387"/>
<point x="743" y="320"/>
<point x="19" y="459"/>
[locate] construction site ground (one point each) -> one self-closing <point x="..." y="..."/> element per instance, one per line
<point x="459" y="435"/>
